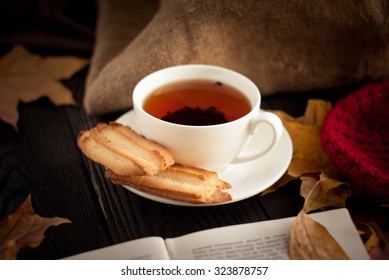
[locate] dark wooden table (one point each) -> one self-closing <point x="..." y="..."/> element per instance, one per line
<point x="42" y="159"/>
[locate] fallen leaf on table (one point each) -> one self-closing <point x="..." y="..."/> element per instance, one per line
<point x="25" y="77"/>
<point x="323" y="192"/>
<point x="24" y="228"/>
<point x="378" y="242"/>
<point x="309" y="240"/>
<point x="308" y="155"/>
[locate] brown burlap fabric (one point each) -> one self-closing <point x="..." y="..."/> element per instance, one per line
<point x="283" y="46"/>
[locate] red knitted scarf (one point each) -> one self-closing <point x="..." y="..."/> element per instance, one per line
<point x="355" y="135"/>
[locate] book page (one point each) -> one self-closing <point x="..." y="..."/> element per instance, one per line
<point x="263" y="240"/>
<point x="148" y="248"/>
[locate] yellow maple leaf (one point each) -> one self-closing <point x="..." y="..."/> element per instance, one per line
<point x="310" y="163"/>
<point x="308" y="155"/>
<point x="24" y="228"/>
<point x="25" y="77"/>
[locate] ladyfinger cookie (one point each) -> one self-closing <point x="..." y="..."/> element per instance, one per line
<point x="124" y="151"/>
<point x="179" y="182"/>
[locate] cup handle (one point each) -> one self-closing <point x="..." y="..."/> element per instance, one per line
<point x="277" y="127"/>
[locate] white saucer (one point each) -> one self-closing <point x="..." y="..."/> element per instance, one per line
<point x="247" y="179"/>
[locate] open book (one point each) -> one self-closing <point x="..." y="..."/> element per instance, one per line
<point x="260" y="240"/>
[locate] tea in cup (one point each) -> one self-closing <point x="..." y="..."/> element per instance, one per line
<point x="205" y="115"/>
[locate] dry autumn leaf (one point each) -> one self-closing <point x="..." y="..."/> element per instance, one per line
<point x="24" y="228"/>
<point x="323" y="192"/>
<point x="378" y="242"/>
<point x="309" y="240"/>
<point x="25" y="77"/>
<point x="308" y="155"/>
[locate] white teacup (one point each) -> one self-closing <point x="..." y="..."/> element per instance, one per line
<point x="212" y="147"/>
